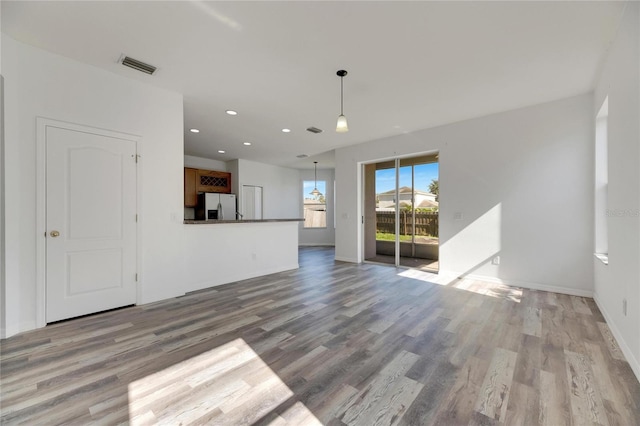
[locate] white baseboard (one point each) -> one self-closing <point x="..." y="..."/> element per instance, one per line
<point x="524" y="284"/>
<point x="17" y="329"/>
<point x="628" y="354"/>
<point x="346" y="259"/>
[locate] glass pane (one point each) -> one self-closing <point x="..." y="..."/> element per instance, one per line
<point x="385" y="215"/>
<point x="426" y="203"/>
<point x="314" y="203"/>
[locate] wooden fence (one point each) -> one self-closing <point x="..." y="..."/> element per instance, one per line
<point x="426" y="223"/>
<point x="315" y="218"/>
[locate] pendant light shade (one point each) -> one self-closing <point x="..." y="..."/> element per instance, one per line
<point x="315" y="191"/>
<point x="342" y="126"/>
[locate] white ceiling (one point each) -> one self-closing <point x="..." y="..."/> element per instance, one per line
<point x="412" y="65"/>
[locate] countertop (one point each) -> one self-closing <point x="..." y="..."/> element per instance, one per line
<point x="218" y="222"/>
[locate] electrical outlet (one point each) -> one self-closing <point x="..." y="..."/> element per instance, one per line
<point x="458" y="216"/>
<point x="495" y="260"/>
<point x="624" y="307"/>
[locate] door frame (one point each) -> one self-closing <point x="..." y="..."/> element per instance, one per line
<point x="42" y="124"/>
<point x="361" y="197"/>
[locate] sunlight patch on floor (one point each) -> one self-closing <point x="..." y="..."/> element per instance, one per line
<point x="230" y="384"/>
<point x="497" y="290"/>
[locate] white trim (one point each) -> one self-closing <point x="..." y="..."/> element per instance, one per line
<point x="523" y="284"/>
<point x="346" y="259"/>
<point x="41" y="220"/>
<point x="633" y="362"/>
<point x="140" y="223"/>
<point x="315" y="245"/>
<point x="41" y="203"/>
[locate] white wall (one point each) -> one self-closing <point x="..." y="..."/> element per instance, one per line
<point x="318" y="236"/>
<point x="205" y="163"/>
<point x="522" y="180"/>
<point x="40" y="84"/>
<point x="281" y="194"/>
<point x="224" y="253"/>
<point x="620" y="80"/>
<point x="2" y="196"/>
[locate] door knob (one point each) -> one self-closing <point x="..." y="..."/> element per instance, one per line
<point x="55" y="234"/>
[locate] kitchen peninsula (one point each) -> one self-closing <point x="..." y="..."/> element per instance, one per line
<point x="225" y="251"/>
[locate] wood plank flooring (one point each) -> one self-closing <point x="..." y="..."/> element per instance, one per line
<point x="331" y="343"/>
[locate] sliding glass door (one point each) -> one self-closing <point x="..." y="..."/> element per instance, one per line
<point x="401" y="212"/>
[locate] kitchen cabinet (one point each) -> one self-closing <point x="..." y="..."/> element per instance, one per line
<point x="190" y="192"/>
<point x="198" y="180"/>
<point x="212" y="181"/>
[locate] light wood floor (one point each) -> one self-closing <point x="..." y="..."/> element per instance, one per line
<point x="427" y="265"/>
<point x="331" y="343"/>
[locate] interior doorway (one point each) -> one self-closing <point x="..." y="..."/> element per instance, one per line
<point x="401" y="205"/>
<point x="88" y="219"/>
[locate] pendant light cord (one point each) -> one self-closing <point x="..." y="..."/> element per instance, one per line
<point x="315" y="174"/>
<point x="341" y="95"/>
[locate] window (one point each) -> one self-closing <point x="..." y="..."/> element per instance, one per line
<point x="314" y="203"/>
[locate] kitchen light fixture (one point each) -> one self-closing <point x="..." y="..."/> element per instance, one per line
<point x="286" y="130"/>
<point x="342" y="127"/>
<point x="220" y="151"/>
<point x="315" y="191"/>
<point x="194" y="130"/>
<point x="231" y="112"/>
<point x="246" y="143"/>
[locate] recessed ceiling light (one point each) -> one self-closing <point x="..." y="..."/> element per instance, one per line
<point x="246" y="143"/>
<point x="221" y="151"/>
<point x="194" y="130"/>
<point x="231" y="112"/>
<point x="286" y="130"/>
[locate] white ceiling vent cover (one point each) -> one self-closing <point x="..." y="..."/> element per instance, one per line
<point x="137" y="65"/>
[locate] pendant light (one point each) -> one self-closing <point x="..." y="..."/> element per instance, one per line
<point x="315" y="191"/>
<point x="342" y="127"/>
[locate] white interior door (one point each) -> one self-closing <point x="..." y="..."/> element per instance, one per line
<point x="252" y="202"/>
<point x="90" y="223"/>
<point x="257" y="211"/>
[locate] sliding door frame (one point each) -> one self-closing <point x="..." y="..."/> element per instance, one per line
<point x="397" y="161"/>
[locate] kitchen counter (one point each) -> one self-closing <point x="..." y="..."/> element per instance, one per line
<point x="243" y="249"/>
<point x="216" y="222"/>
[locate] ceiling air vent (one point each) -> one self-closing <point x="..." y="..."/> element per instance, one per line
<point x="314" y="129"/>
<point x="302" y="156"/>
<point x="138" y="65"/>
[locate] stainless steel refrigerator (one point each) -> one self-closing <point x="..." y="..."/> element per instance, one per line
<point x="213" y="206"/>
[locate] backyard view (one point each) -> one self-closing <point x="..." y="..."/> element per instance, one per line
<point x="418" y="206"/>
<point x="314" y="203"/>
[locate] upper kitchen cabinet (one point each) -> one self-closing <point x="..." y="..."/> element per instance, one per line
<point x="190" y="191"/>
<point x="211" y="181"/>
<point x="197" y="180"/>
